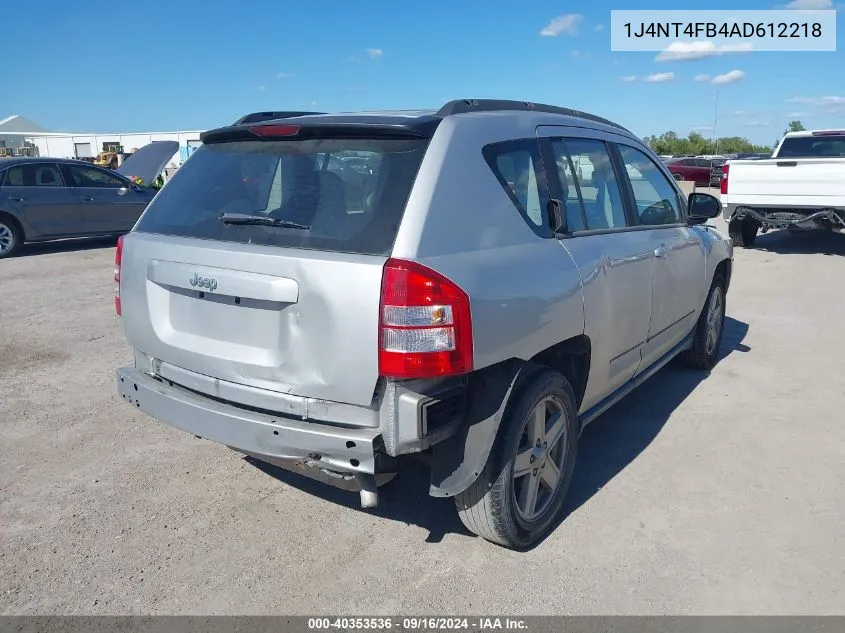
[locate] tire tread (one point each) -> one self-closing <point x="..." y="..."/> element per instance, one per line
<point x="696" y="357"/>
<point x="484" y="507"/>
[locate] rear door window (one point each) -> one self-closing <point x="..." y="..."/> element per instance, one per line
<point x="340" y="204"/>
<point x="33" y="175"/>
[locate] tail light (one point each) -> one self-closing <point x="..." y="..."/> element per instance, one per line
<point x="425" y="327"/>
<point x="118" y="257"/>
<point x="274" y="130"/>
<point x="723" y="185"/>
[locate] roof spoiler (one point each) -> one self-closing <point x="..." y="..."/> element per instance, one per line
<point x="258" y="117"/>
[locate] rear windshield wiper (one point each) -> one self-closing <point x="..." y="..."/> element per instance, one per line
<point x="262" y="220"/>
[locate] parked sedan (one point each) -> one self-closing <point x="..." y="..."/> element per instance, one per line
<point x="50" y="198"/>
<point x="695" y="169"/>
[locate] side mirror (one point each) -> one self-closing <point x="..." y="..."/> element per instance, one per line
<point x="703" y="207"/>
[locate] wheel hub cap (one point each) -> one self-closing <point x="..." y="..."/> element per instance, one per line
<point x="714" y="320"/>
<point x="540" y="458"/>
<point x="6" y="238"/>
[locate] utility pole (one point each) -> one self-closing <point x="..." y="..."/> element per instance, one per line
<point x="715" y="118"/>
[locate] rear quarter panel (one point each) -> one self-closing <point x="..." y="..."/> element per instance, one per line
<point x="525" y="291"/>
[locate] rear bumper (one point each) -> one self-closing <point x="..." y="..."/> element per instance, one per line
<point x="783" y="217"/>
<point x="331" y="447"/>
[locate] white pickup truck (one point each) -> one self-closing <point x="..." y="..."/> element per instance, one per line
<point x="801" y="187"/>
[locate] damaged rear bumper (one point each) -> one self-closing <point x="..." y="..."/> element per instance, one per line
<point x="354" y="451"/>
<point x="782" y="218"/>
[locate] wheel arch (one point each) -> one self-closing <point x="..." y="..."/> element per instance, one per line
<point x="724" y="268"/>
<point x="459" y="460"/>
<point x="18" y="224"/>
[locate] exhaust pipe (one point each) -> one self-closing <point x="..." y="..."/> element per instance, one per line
<point x="369" y="490"/>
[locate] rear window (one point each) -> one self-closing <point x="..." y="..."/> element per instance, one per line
<point x="828" y="146"/>
<point x="350" y="193"/>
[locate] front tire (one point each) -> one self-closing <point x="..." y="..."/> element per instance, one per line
<point x="704" y="353"/>
<point x="11" y="237"/>
<point x="519" y="496"/>
<point x="743" y="232"/>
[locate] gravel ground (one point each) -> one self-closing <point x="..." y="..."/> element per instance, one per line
<point x="695" y="495"/>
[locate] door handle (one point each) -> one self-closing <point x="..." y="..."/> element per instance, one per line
<point x="661" y="251"/>
<point x="16" y="199"/>
<point x="88" y="199"/>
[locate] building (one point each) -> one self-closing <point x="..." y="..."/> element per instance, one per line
<point x="13" y="133"/>
<point x="20" y="136"/>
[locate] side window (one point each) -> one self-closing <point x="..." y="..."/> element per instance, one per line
<point x="656" y="197"/>
<point x="82" y="176"/>
<point x="604" y="207"/>
<point x="517" y="166"/>
<point x="33" y="175"/>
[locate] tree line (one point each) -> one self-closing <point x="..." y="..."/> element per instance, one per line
<point x="670" y="143"/>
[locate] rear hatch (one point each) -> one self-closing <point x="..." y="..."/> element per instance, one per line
<point x="148" y="162"/>
<point x="260" y="262"/>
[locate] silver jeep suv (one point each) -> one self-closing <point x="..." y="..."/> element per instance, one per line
<point x="338" y="292"/>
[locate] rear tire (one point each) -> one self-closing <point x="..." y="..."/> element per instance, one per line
<point x="704" y="353"/>
<point x="678" y="177"/>
<point x="519" y="496"/>
<point x="11" y="236"/>
<point x="743" y="232"/>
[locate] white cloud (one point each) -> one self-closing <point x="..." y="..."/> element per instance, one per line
<point x="284" y="75"/>
<point x="659" y="78"/>
<point x="728" y="78"/>
<point x="703" y="128"/>
<point x="261" y="88"/>
<point x="829" y="105"/>
<point x="702" y="77"/>
<point x="809" y="5"/>
<point x="629" y="78"/>
<point x="599" y="27"/>
<point x="688" y="51"/>
<point x="563" y="24"/>
<point x="578" y="54"/>
<point x="374" y="53"/>
<point x="795" y="115"/>
<point x="740" y="112"/>
<point x="757" y="124"/>
<point x="812" y="5"/>
<point x="823" y="102"/>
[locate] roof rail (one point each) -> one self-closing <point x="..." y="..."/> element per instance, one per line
<point x="461" y="106"/>
<point x="258" y="117"/>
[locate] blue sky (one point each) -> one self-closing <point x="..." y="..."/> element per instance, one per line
<point x="196" y="64"/>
